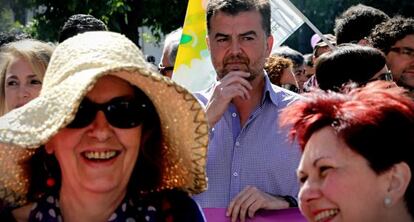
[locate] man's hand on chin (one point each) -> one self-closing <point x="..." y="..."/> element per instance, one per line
<point x="230" y="86"/>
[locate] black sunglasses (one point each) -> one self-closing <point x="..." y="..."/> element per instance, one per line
<point x="386" y="76"/>
<point x="121" y="113"/>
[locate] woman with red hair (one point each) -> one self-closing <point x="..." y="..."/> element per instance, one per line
<point x="356" y="163"/>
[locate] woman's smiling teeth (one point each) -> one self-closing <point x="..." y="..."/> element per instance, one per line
<point x="322" y="216"/>
<point x="100" y="155"/>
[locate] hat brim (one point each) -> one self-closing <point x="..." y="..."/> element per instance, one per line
<point x="184" y="128"/>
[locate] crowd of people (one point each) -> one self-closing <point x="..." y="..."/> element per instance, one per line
<point x="328" y="132"/>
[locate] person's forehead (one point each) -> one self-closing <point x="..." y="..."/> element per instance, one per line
<point x="19" y="67"/>
<point x="298" y="67"/>
<point x="407" y="41"/>
<point x="238" y="22"/>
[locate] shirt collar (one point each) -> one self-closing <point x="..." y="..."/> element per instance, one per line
<point x="269" y="91"/>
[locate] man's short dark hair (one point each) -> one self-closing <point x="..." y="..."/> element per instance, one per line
<point x="348" y="62"/>
<point x="357" y="22"/>
<point x="233" y="7"/>
<point x="80" y="23"/>
<point x="388" y="33"/>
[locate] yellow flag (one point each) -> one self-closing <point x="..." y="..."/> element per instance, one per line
<point x="193" y="68"/>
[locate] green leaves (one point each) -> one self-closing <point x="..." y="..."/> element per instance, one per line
<point x="124" y="16"/>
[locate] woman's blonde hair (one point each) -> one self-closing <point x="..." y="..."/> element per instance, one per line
<point x="35" y="52"/>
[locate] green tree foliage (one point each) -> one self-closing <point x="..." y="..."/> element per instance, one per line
<point x="6" y="22"/>
<point x="124" y="16"/>
<point x="163" y="16"/>
<point x="11" y="18"/>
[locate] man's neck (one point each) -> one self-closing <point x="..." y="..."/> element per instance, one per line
<point x="246" y="107"/>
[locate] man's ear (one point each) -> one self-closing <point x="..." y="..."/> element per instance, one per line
<point x="208" y="42"/>
<point x="269" y="43"/>
<point x="400" y="176"/>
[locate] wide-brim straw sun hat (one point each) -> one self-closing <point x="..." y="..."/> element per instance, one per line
<point x="75" y="66"/>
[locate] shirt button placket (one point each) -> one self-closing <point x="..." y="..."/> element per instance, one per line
<point x="235" y="181"/>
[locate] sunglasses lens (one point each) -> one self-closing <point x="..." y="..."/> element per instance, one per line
<point x="164" y="69"/>
<point x="388" y="77"/>
<point x="125" y="114"/>
<point x="85" y="115"/>
<point x="384" y="76"/>
<point x="120" y="114"/>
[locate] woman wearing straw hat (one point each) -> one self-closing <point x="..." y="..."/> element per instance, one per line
<point x="106" y="140"/>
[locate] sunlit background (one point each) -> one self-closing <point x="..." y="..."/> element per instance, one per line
<point x="146" y="21"/>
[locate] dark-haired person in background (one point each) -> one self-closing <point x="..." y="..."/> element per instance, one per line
<point x="350" y="62"/>
<point x="7" y="37"/>
<point x="356" y="23"/>
<point x="319" y="48"/>
<point x="395" y="38"/>
<point x="80" y="23"/>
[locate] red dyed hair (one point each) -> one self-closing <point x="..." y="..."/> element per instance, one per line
<point x="376" y="121"/>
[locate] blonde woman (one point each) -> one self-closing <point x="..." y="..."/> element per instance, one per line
<point x="22" y="66"/>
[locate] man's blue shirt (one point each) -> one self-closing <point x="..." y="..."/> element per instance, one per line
<point x="258" y="154"/>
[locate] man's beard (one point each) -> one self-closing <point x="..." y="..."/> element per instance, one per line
<point x="404" y="82"/>
<point x="244" y="61"/>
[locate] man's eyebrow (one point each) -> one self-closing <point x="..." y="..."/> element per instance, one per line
<point x="218" y="35"/>
<point x="249" y="33"/>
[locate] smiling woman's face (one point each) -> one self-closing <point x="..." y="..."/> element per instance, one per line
<point x="99" y="157"/>
<point x="336" y="183"/>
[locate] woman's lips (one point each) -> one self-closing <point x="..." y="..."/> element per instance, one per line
<point x="100" y="156"/>
<point x="325" y="215"/>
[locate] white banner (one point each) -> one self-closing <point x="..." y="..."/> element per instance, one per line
<point x="284" y="21"/>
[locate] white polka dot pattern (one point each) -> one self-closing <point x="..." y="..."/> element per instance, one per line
<point x="47" y="210"/>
